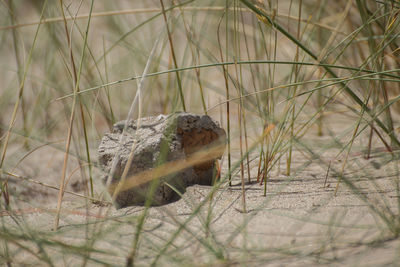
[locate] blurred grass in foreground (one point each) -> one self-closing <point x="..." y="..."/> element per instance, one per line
<point x="284" y="78"/>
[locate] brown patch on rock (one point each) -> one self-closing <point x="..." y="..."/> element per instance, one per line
<point x="195" y="140"/>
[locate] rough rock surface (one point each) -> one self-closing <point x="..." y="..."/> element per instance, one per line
<point x="159" y="140"/>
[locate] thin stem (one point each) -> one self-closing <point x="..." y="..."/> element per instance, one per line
<point x="173" y="57"/>
<point x="71" y="120"/>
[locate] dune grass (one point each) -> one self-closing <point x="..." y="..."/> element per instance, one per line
<point x="296" y="85"/>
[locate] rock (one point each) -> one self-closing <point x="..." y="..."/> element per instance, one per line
<point x="179" y="150"/>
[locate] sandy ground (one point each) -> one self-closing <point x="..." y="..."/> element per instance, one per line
<point x="298" y="223"/>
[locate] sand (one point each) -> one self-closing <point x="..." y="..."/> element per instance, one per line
<point x="298" y="223"/>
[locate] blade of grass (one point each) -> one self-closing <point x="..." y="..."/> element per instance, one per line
<point x="218" y="64"/>
<point x="225" y="70"/>
<point x="17" y="103"/>
<point x="171" y="44"/>
<point x="236" y="49"/>
<point x="189" y="36"/>
<point x="71" y="121"/>
<point x="16" y="45"/>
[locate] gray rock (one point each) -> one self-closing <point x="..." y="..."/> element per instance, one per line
<point x="179" y="150"/>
